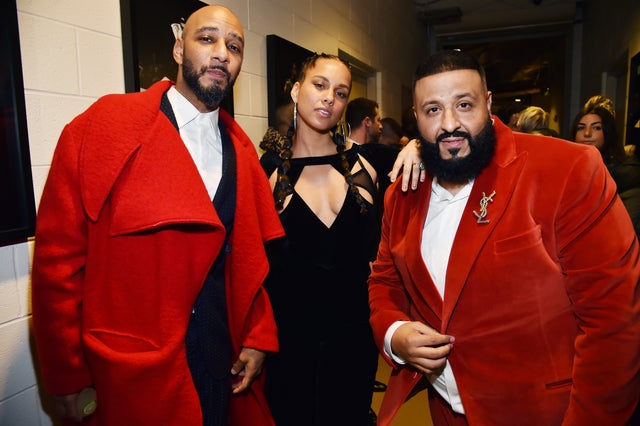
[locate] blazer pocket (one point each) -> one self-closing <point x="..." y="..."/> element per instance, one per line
<point x="123" y="343"/>
<point x="559" y="384"/>
<point x="530" y="238"/>
<point x="123" y="357"/>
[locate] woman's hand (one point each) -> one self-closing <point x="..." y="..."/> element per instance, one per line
<point x="410" y="162"/>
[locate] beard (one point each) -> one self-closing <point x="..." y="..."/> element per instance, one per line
<point x="460" y="169"/>
<point x="210" y="96"/>
<point x="374" y="137"/>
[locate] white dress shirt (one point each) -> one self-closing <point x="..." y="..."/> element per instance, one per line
<point x="201" y="135"/>
<point x="440" y="227"/>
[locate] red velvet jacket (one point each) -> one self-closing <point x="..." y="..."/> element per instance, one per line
<point x="126" y="234"/>
<point x="543" y="300"/>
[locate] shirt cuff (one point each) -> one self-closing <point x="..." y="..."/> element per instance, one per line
<point x="387" y="342"/>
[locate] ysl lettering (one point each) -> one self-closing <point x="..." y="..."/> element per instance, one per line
<point x="484" y="202"/>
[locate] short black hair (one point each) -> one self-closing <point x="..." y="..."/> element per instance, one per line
<point x="393" y="125"/>
<point x="358" y="109"/>
<point x="448" y="60"/>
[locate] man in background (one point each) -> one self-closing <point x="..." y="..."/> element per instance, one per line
<point x="392" y="134"/>
<point x="363" y="118"/>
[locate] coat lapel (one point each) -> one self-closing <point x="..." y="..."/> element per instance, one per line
<point x="143" y="167"/>
<point x="423" y="290"/>
<point x="502" y="177"/>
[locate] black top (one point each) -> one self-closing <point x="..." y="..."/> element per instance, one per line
<point x="626" y="174"/>
<point x="318" y="288"/>
<point x="381" y="158"/>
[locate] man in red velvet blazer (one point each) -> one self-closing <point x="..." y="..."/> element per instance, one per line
<point x="129" y="230"/>
<point x="509" y="284"/>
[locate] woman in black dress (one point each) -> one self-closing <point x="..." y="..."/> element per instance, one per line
<point x="326" y="191"/>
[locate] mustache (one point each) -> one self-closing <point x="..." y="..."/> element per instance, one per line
<point x="216" y="67"/>
<point x="455" y="134"/>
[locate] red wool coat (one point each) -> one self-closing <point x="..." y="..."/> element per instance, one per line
<point x="543" y="300"/>
<point x="126" y="234"/>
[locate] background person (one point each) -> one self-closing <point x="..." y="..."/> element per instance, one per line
<point x="535" y="120"/>
<point x="363" y="120"/>
<point x="596" y="126"/>
<point x="532" y="118"/>
<point x="509" y="114"/>
<point x="600" y="101"/>
<point x="392" y="133"/>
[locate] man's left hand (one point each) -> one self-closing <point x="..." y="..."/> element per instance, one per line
<point x="246" y="368"/>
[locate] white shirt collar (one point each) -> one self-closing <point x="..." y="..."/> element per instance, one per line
<point x="184" y="110"/>
<point x="443" y="195"/>
<point x="201" y="136"/>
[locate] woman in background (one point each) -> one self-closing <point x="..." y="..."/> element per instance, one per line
<point x="595" y="125"/>
<point x="535" y="120"/>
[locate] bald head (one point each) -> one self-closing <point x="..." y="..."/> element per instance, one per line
<point x="209" y="54"/>
<point x="204" y="16"/>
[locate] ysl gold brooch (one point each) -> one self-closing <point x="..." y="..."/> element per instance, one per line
<point x="484" y="202"/>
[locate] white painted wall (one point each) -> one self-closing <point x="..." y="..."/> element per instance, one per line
<point x="72" y="54"/>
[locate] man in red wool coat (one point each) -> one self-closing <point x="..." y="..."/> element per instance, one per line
<point x="149" y="252"/>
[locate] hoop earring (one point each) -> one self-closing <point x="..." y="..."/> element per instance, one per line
<point x="295" y="116"/>
<point x="342" y="130"/>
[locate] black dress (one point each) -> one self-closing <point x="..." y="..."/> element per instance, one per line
<point x="325" y="369"/>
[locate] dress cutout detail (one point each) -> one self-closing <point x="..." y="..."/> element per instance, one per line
<point x="318" y="288"/>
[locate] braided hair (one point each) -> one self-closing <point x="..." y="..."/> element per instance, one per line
<point x="275" y="142"/>
<point x="340" y="142"/>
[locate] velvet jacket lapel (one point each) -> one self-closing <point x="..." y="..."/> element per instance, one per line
<point x="502" y="177"/>
<point x="423" y="290"/>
